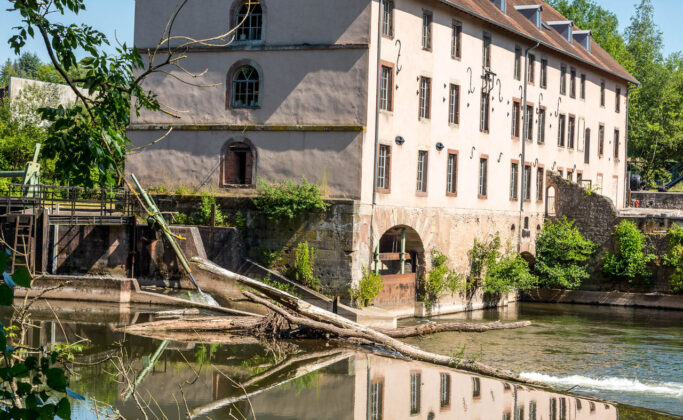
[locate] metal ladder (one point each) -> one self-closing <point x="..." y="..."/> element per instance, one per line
<point x="24" y="242"/>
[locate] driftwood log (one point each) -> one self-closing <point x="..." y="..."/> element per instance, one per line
<point x="315" y="318"/>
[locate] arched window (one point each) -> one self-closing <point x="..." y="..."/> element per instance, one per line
<point x="249" y="21"/>
<point x="245" y="88"/>
<point x="238" y="164"/>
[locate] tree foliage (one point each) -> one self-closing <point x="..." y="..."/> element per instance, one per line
<point x="674" y="258"/>
<point x="562" y="253"/>
<point x="440" y="279"/>
<point x="656" y="106"/>
<point x="370" y="285"/>
<point x="507" y="273"/>
<point x="629" y="259"/>
<point x="288" y="199"/>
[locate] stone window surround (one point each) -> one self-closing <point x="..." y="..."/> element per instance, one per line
<point x="228" y="85"/>
<point x="224" y="151"/>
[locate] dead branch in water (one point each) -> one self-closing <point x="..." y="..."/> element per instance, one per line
<point x="433" y="328"/>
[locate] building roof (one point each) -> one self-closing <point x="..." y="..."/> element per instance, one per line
<point x="514" y="21"/>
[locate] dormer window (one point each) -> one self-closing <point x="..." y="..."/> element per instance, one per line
<point x="583" y="38"/>
<point x="564" y="28"/>
<point x="531" y="12"/>
<point x="500" y="4"/>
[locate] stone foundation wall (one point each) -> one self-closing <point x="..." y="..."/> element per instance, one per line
<point x="92" y="250"/>
<point x="659" y="200"/>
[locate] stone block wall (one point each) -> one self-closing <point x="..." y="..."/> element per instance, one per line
<point x="92" y="250"/>
<point x="659" y="200"/>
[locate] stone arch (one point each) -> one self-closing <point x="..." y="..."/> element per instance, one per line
<point x="231" y="76"/>
<point x="400" y="259"/>
<point x="238" y="163"/>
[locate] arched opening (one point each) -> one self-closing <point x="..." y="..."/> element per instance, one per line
<point x="400" y="259"/>
<point x="238" y="164"/>
<point x="248" y="21"/>
<point x="245" y="87"/>
<point x="550" y="203"/>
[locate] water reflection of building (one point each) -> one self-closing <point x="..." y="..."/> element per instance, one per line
<point x="387" y="389"/>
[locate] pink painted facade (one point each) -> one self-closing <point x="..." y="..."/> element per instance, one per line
<point x="314" y="113"/>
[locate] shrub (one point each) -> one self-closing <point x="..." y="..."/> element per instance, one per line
<point x="482" y="255"/>
<point x="304" y="264"/>
<point x="440" y="279"/>
<point x="368" y="288"/>
<point x="288" y="199"/>
<point x="285" y="287"/>
<point x="204" y="213"/>
<point x="270" y="258"/>
<point x="562" y="253"/>
<point x="674" y="258"/>
<point x="629" y="260"/>
<point x="508" y="273"/>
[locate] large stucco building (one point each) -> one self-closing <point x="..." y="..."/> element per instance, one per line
<point x="412" y="108"/>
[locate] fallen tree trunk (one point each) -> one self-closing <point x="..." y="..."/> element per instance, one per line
<point x="199" y="324"/>
<point x="322" y="320"/>
<point x="433" y="328"/>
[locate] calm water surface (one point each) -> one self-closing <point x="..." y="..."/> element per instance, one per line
<point x="309" y="380"/>
<point x="629" y="355"/>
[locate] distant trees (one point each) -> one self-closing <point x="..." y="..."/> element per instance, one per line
<point x="656" y="107"/>
<point x="30" y="66"/>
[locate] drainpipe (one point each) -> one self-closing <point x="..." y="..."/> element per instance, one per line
<point x="377" y="93"/>
<point x="627" y="178"/>
<point x="524" y="136"/>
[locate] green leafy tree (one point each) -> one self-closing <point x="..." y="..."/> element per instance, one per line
<point x="674" y="258"/>
<point x="562" y="253"/>
<point x="510" y="272"/>
<point x="440" y="279"/>
<point x="629" y="260"/>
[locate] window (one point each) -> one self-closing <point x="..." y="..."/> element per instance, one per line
<point x="563" y="79"/>
<point x="598" y="182"/>
<point x="386" y="88"/>
<point x="388" y="18"/>
<point x="561" y="127"/>
<point x="531" y="74"/>
<point x="245" y="88"/>
<point x="526" y="183"/>
<point x="544" y="73"/>
<point x="587" y="147"/>
<point x="571" y="130"/>
<point x="540" y="178"/>
<point x="487" y="50"/>
<point x="377" y="399"/>
<point x="541" y="125"/>
<point x="514" y="180"/>
<point x="602" y="93"/>
<point x="563" y="409"/>
<point x="237" y="168"/>
<point x="249" y="22"/>
<point x="456" y="41"/>
<point x="484" y="113"/>
<point x="570" y="175"/>
<point x="617" y="99"/>
<point x="519" y="413"/>
<point x="452" y="174"/>
<point x="579" y="177"/>
<point x="529" y="122"/>
<point x="476" y="388"/>
<point x="384" y="168"/>
<point x="483" y="176"/>
<point x="425" y="97"/>
<point x="518" y="62"/>
<point x="572" y="83"/>
<point x="454" y="104"/>
<point x="427" y="30"/>
<point x="583" y="86"/>
<point x="532" y="410"/>
<point x="445" y="390"/>
<point x="422" y="162"/>
<point x="516" y="117"/>
<point x="553" y="409"/>
<point x="415" y="385"/>
<point x="601" y="140"/>
<point x="616" y="145"/>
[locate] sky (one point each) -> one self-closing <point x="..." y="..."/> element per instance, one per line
<point x="117" y="17"/>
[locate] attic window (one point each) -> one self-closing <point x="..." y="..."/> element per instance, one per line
<point x="564" y="28"/>
<point x="531" y="12"/>
<point x="584" y="39"/>
<point x="499" y="4"/>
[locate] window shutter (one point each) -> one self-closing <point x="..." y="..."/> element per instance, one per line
<point x="249" y="168"/>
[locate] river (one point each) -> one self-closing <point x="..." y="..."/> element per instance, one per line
<point x="195" y="377"/>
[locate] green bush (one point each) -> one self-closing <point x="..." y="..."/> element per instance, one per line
<point x="288" y="199"/>
<point x="674" y="258"/>
<point x="270" y="258"/>
<point x="562" y="253"/>
<point x="304" y="264"/>
<point x="508" y="273"/>
<point x="629" y="261"/>
<point x="204" y="213"/>
<point x="368" y="288"/>
<point x="440" y="279"/>
<point x="285" y="287"/>
<point x="482" y="255"/>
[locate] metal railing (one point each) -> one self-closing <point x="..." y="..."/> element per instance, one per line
<point x="66" y="201"/>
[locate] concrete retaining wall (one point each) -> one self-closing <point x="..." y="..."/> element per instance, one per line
<point x="613" y="298"/>
<point x="659" y="200"/>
